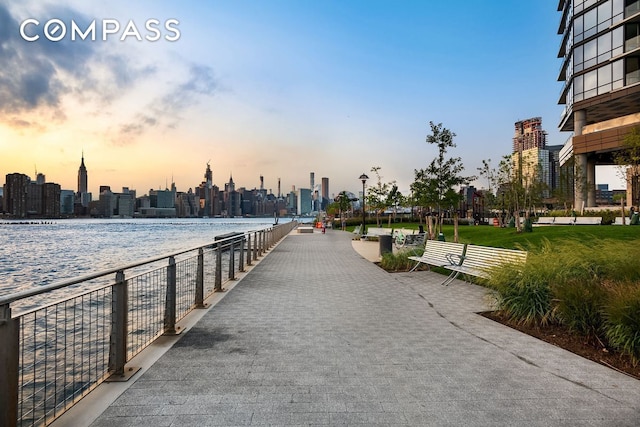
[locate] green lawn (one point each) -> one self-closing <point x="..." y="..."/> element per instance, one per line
<point x="508" y="237"/>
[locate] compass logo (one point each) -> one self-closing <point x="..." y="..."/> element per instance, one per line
<point x="56" y="30"/>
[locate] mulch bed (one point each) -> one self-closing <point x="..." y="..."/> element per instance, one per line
<point x="560" y="336"/>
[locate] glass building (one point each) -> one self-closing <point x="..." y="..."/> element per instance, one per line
<point x="600" y="52"/>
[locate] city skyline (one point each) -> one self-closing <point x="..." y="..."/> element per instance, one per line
<point x="273" y="89"/>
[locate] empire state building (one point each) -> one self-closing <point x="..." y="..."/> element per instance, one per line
<point x="84" y="197"/>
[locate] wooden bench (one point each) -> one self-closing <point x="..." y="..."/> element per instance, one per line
<point x="588" y="220"/>
<point x="479" y="260"/>
<point x="305" y="229"/>
<point x="438" y="254"/>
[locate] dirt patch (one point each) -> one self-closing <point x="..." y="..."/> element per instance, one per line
<point x="560" y="336"/>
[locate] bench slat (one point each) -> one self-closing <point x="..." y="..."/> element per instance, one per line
<point x="438" y="253"/>
<point x="478" y="260"/>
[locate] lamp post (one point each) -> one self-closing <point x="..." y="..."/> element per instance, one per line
<point x="364" y="179"/>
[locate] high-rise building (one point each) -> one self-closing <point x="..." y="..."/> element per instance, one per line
<point x="67" y="198"/>
<point x="23" y="197"/>
<point x="51" y="200"/>
<point x="206" y="194"/>
<point x="82" y="177"/>
<point x="601" y="71"/>
<point x="325" y="192"/>
<point x="529" y="134"/>
<point x="232" y="202"/>
<point x="304" y="201"/>
<point x="83" y="195"/>
<point x="15" y="194"/>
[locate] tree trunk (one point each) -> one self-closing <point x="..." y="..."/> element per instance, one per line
<point x="430" y="227"/>
<point x="455" y="227"/>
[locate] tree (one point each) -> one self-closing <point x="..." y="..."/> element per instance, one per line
<point x="628" y="161"/>
<point x="434" y="185"/>
<point x="377" y="194"/>
<point x="342" y="203"/>
<point x="490" y="199"/>
<point x="394" y="199"/>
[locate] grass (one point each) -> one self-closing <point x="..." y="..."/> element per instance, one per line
<point x="511" y="239"/>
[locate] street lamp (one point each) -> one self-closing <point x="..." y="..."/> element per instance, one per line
<point x="364" y="179"/>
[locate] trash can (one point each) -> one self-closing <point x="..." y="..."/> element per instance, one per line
<point x="634" y="219"/>
<point x="441" y="237"/>
<point x="386" y="242"/>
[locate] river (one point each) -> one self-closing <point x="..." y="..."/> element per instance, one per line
<point x="36" y="253"/>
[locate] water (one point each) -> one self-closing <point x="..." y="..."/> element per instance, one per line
<point x="41" y="253"/>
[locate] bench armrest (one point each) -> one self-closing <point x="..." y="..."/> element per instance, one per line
<point x="452" y="259"/>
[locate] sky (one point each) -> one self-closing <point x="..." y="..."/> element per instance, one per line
<point x="273" y="88"/>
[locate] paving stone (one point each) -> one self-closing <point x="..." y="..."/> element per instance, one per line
<point x="315" y="334"/>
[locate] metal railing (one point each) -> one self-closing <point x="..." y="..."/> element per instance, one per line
<point x="54" y="353"/>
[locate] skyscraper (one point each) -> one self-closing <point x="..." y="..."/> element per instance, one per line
<point x="82" y="177"/>
<point x="529" y="134"/>
<point x="83" y="195"/>
<point x="15" y="194"/>
<point x="601" y="71"/>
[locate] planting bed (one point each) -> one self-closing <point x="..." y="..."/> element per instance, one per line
<point x="560" y="336"/>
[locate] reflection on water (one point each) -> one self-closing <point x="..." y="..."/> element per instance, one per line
<point x="41" y="253"/>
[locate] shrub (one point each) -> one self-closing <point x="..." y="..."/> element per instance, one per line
<point x="578" y="305"/>
<point x="525" y="300"/>
<point x="397" y="261"/>
<point x="523" y="293"/>
<point x="622" y="318"/>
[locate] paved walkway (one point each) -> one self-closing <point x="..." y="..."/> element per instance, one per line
<point x="317" y="335"/>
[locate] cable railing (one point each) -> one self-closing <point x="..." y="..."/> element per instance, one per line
<point x="53" y="353"/>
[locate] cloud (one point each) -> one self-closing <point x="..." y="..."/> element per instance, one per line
<point x="32" y="73"/>
<point x="166" y="110"/>
<point x="37" y="78"/>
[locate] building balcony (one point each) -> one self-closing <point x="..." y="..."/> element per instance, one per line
<point x="632" y="9"/>
<point x="632" y="43"/>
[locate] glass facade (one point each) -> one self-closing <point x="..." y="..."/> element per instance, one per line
<point x="601" y="48"/>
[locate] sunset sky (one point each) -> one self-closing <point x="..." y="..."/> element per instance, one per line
<point x="278" y="88"/>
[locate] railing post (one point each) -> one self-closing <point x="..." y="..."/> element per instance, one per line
<point x="248" y="248"/>
<point x="218" y="283"/>
<point x="262" y="242"/>
<point x="119" y="324"/>
<point x="241" y="261"/>
<point x="9" y="362"/>
<point x="170" y="301"/>
<point x="199" y="302"/>
<point x="232" y="259"/>
<point x="255" y="245"/>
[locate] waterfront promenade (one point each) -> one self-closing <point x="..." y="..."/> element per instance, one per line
<point x="315" y="334"/>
